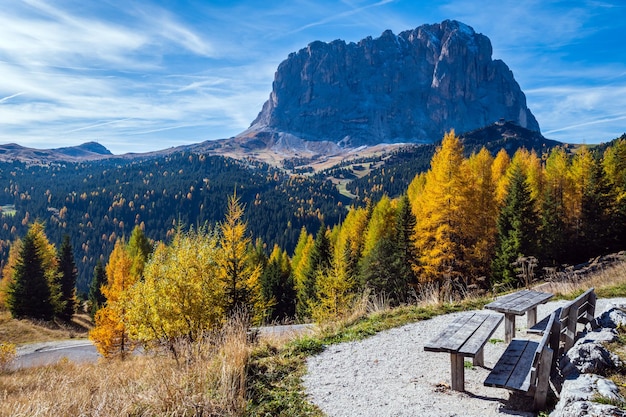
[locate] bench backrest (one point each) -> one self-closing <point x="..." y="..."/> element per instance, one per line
<point x="544" y="361"/>
<point x="579" y="310"/>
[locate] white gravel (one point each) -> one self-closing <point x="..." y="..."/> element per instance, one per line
<point x="390" y="374"/>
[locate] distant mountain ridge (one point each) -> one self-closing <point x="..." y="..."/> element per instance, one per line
<point x="412" y="87"/>
<point x="86" y="152"/>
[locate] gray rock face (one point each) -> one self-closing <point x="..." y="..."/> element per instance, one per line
<point x="589" y="355"/>
<point x="411" y="87"/>
<point x="613" y="318"/>
<point x="578" y="394"/>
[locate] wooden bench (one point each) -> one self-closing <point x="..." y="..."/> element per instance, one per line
<point x="579" y="310"/>
<point x="517" y="304"/>
<point x="465" y="336"/>
<point x="526" y="365"/>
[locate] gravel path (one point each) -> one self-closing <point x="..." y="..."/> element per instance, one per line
<point x="390" y="374"/>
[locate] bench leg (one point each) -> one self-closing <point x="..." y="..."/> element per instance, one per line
<point x="543" y="380"/>
<point x="509" y="327"/>
<point x="479" y="359"/>
<point x="457" y="371"/>
<point x="531" y="317"/>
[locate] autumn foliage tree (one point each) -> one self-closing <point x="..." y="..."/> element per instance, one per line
<point x="439" y="212"/>
<point x="180" y="296"/>
<point x="237" y="271"/>
<point x="300" y="264"/>
<point x="110" y="334"/>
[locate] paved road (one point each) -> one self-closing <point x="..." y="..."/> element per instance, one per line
<point x="38" y="354"/>
<point x="82" y="350"/>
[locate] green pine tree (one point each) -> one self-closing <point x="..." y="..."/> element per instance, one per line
<point x="278" y="287"/>
<point x="67" y="274"/>
<point x="320" y="261"/>
<point x="28" y="295"/>
<point x="517" y="230"/>
<point x="405" y="247"/>
<point x="96" y="298"/>
<point x="599" y="223"/>
<point x="552" y="230"/>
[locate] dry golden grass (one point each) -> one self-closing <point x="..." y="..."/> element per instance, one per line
<point x="606" y="282"/>
<point x="27" y="331"/>
<point x="207" y="379"/>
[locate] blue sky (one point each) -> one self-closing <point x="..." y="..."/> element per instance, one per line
<point x="138" y="76"/>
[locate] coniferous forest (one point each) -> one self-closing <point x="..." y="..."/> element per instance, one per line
<point x="96" y="203"/>
<point x="243" y="234"/>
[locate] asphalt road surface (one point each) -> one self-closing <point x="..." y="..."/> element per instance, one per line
<point x="38" y="354"/>
<point x="82" y="350"/>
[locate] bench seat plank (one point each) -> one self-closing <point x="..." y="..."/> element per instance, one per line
<point x="520" y="377"/>
<point x="526" y="365"/>
<point x="515" y="356"/>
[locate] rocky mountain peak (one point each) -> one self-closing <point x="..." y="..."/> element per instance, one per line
<point x="411" y="87"/>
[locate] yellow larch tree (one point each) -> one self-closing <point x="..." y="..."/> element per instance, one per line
<point x="532" y="167"/>
<point x="300" y="264"/>
<point x="348" y="243"/>
<point x="110" y="334"/>
<point x="439" y="213"/>
<point x="480" y="215"/>
<point x="380" y="225"/>
<point x="8" y="270"/>
<point x="335" y="294"/>
<point x="559" y="183"/>
<point x="238" y="273"/>
<point x="499" y="169"/>
<point x="180" y="295"/>
<point x="581" y="174"/>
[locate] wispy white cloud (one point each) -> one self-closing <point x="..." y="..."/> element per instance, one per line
<point x="3" y="99"/>
<point x="335" y="16"/>
<point x="577" y="126"/>
<point x="74" y="71"/>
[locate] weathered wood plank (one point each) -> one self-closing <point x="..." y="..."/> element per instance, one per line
<point x="509" y="327"/>
<point x="520" y="376"/>
<point x="458" y="339"/>
<point x="470" y="330"/>
<point x="543" y="379"/>
<point x="501" y="372"/>
<point x="435" y="344"/>
<point x="526" y="365"/>
<point x="519" y="302"/>
<point x="586" y="306"/>
<point x="477" y="340"/>
<point x="479" y="358"/>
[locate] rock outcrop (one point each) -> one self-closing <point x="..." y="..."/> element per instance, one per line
<point x="411" y="87"/>
<point x="585" y="391"/>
